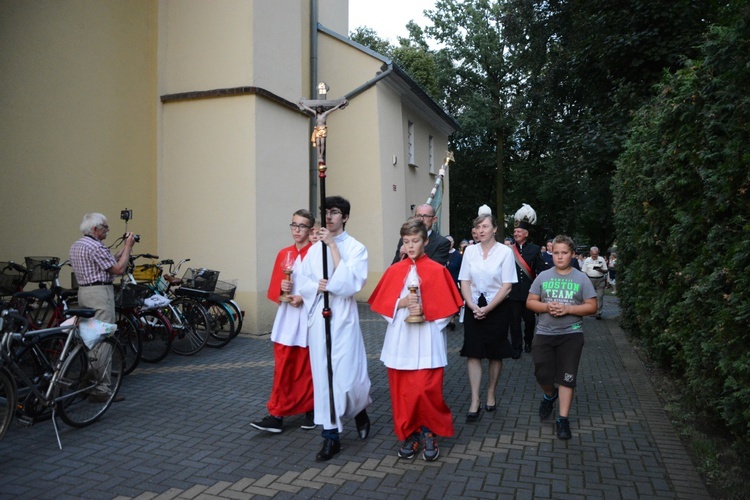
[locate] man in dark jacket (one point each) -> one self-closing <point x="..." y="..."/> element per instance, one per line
<point x="529" y="263"/>
<point x="437" y="247"/>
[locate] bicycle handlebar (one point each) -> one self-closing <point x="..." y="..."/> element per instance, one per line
<point x="16" y="267"/>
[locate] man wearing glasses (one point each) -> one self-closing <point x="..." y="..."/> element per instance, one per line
<point x="347" y="274"/>
<point x="95" y="269"/>
<point x="437" y="248"/>
<point x="292" y="390"/>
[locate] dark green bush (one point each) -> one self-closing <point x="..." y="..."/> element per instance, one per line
<point x="682" y="213"/>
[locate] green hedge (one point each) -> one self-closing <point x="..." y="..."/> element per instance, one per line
<point x="682" y="213"/>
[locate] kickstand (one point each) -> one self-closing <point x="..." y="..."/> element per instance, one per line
<point x="57" y="431"/>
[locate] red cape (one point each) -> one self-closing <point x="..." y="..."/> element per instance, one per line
<point x="277" y="275"/>
<point x="440" y="297"/>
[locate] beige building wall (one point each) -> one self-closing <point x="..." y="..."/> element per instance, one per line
<point x="78" y="127"/>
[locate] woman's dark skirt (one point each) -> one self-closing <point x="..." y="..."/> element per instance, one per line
<point x="487" y="338"/>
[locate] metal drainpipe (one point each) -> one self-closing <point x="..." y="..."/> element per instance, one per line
<point x="313" y="172"/>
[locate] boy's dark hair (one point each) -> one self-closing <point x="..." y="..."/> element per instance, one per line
<point x="340" y="203"/>
<point x="307" y="215"/>
<point x="414" y="226"/>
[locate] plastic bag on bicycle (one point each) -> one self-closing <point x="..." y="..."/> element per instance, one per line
<point x="92" y="331"/>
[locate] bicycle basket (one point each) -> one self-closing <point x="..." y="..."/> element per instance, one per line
<point x="224" y="290"/>
<point x="11" y="280"/>
<point x="130" y="296"/>
<point x="38" y="273"/>
<point x="200" y="279"/>
<point x="146" y="273"/>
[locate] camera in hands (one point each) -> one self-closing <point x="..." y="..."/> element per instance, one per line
<point x="126" y="215"/>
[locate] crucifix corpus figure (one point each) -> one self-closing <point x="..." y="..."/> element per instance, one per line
<point x="320" y="109"/>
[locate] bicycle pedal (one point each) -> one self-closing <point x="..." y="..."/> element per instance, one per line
<point x="25" y="420"/>
<point x="64" y="382"/>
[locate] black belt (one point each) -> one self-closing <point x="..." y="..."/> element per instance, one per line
<point x="96" y="283"/>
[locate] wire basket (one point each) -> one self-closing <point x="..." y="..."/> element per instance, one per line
<point x="37" y="273"/>
<point x="200" y="279"/>
<point x="146" y="273"/>
<point x="11" y="280"/>
<point x="224" y="290"/>
<point x="131" y="296"/>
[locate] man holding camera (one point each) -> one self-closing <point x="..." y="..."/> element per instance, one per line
<point x="595" y="268"/>
<point x="95" y="269"/>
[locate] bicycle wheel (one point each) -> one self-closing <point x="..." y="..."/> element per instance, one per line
<point x="237" y="316"/>
<point x="157" y="335"/>
<point x="190" y="324"/>
<point x="88" y="384"/>
<point x="7" y="400"/>
<point x="36" y="358"/>
<point x="221" y="322"/>
<point x="129" y="336"/>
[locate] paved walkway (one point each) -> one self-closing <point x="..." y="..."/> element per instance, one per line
<point x="183" y="433"/>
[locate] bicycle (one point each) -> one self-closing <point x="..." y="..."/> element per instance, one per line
<point x="74" y="385"/>
<point x="225" y="318"/>
<point x="153" y="328"/>
<point x="43" y="307"/>
<point x="191" y="325"/>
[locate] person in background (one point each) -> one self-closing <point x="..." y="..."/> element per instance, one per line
<point x="95" y="269"/>
<point x="437" y="247"/>
<point x="595" y="267"/>
<point x="487" y="274"/>
<point x="292" y="389"/>
<point x="508" y="241"/>
<point x="415" y="353"/>
<point x="611" y="264"/>
<point x="547" y="255"/>
<point x="528" y="264"/>
<point x="561" y="296"/>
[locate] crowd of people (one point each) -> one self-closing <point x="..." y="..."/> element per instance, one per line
<point x="512" y="297"/>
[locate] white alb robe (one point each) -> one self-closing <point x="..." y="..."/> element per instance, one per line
<point x="351" y="381"/>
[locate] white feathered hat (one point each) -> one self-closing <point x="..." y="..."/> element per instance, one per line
<point x="525" y="217"/>
<point x="484" y="210"/>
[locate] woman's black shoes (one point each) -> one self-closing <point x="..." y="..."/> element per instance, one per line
<point x="472" y="416"/>
<point x="490" y="407"/>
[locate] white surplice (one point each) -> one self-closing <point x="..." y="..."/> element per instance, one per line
<point x="290" y="325"/>
<point x="414" y="346"/>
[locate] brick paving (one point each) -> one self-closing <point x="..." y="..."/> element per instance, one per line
<point x="183" y="433"/>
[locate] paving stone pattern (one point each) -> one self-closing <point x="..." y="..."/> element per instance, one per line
<point x="183" y="432"/>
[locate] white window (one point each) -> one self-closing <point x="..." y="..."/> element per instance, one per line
<point x="410" y="139"/>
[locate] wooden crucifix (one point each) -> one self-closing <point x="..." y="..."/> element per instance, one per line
<point x="320" y="109"/>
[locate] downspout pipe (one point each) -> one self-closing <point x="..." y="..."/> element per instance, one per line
<point x="387" y="70"/>
<point x="313" y="168"/>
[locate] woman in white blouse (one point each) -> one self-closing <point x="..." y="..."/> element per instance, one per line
<point x="487" y="273"/>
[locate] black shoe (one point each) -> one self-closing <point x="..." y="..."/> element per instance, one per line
<point x="309" y="422"/>
<point x="598" y="316"/>
<point x="269" y="424"/>
<point x="330" y="448"/>
<point x="490" y="408"/>
<point x="472" y="416"/>
<point x="563" y="428"/>
<point x="516" y="354"/>
<point x="451" y="325"/>
<point x="527" y="348"/>
<point x="363" y="424"/>
<point x="547" y="405"/>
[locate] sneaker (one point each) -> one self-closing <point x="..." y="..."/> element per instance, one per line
<point x="547" y="405"/>
<point x="309" y="422"/>
<point x="431" y="451"/>
<point x="269" y="424"/>
<point x="563" y="428"/>
<point x="410" y="447"/>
